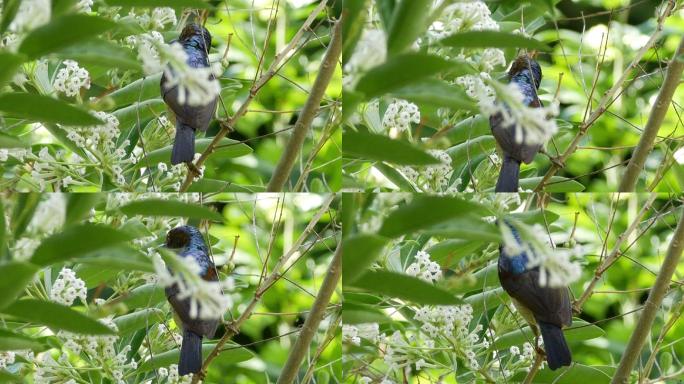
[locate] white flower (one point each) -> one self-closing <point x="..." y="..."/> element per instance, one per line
<point x="399" y="116"/>
<point x="31" y="14"/>
<point x="425" y="268"/>
<point x="461" y="17"/>
<point x="162" y="16"/>
<point x="71" y="79"/>
<point x="49" y="215"/>
<point x="370" y="51"/>
<point x="84" y="6"/>
<point x="68" y="287"/>
<point x="196" y="86"/>
<point x="350" y="334"/>
<point x="6" y="358"/>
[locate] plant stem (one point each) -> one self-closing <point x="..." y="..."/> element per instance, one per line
<point x="311" y="323"/>
<point x="655" y="120"/>
<point x="303" y="124"/>
<point x="655" y="298"/>
<point x="538" y="358"/>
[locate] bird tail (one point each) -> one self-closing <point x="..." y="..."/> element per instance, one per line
<point x="557" y="351"/>
<point x="184" y="145"/>
<point x="190" y="354"/>
<point x="508" y="177"/>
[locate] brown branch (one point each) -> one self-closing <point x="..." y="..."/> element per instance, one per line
<point x="227" y="125"/>
<point x="310" y="326"/>
<point x="538" y="358"/>
<point x="655" y="120"/>
<point x="655" y="299"/>
<point x="607" y="99"/>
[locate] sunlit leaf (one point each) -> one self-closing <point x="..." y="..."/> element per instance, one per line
<point x="405" y="287"/>
<point x="45" y="109"/>
<point x="364" y="145"/>
<point x="15" y="277"/>
<point x="360" y="251"/>
<point x="55" y="316"/>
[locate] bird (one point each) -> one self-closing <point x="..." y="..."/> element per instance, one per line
<point x="526" y="73"/>
<point x="187" y="241"/>
<point x="546" y="309"/>
<point x="196" y="41"/>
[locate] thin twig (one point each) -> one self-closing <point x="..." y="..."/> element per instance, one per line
<point x="535" y="368"/>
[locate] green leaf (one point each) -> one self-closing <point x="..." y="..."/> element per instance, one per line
<point x="580" y="330"/>
<point x="76" y="241"/>
<point x="364" y="145"/>
<point x="23" y="212"/>
<point x="62" y="32"/>
<point x="357" y="313"/>
<point x="449" y="252"/>
<point x="360" y="251"/>
<point x="576" y="373"/>
<point x="231" y="353"/>
<point x="216" y="186"/>
<point x="131" y="322"/>
<point x="495" y="39"/>
<point x="556" y="184"/>
<point x="145" y="296"/>
<point x="487" y="300"/>
<point x="485" y="277"/>
<point x="129" y="116"/>
<point x="9" y="10"/>
<point x="469" y="226"/>
<point x="160" y="3"/>
<point x="404" y="70"/>
<point x="45" y="109"/>
<point x="405" y="287"/>
<point x="56" y="316"/>
<point x="227" y="148"/>
<point x="425" y="211"/>
<point x="169" y="208"/>
<point x="7" y="141"/>
<point x="437" y="93"/>
<point x="103" y="53"/>
<point x="355" y="12"/>
<point x="393" y="175"/>
<point x="408" y="23"/>
<point x="12" y="341"/>
<point x="3" y="230"/>
<point x="471" y="148"/>
<point x="79" y="206"/>
<point x="119" y="258"/>
<point x="142" y="89"/>
<point x="15" y="277"/>
<point x="9" y="63"/>
<point x="61" y="135"/>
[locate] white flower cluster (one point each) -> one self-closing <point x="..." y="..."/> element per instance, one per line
<point x="207" y="300"/>
<point x="462" y="16"/>
<point x="172" y="376"/>
<point x="6" y="358"/>
<point x="48" y="217"/>
<point x="532" y="125"/>
<point x="71" y="79"/>
<point x="18" y="154"/>
<point x="399" y="116"/>
<point x="370" y="51"/>
<point x="148" y="53"/>
<point x="433" y="178"/>
<point x="84" y="6"/>
<point x="555" y="267"/>
<point x="157" y="19"/>
<point x="49" y="371"/>
<point x="425" y="268"/>
<point x="353" y="334"/>
<point x="68" y="287"/>
<point x="100" y="350"/>
<point x="30" y="15"/>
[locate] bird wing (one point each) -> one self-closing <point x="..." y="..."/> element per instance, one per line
<point x="551" y="305"/>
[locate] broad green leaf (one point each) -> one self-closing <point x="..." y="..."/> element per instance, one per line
<point x="79" y="206"/>
<point x="469" y="226"/>
<point x="424" y="212"/>
<point x="437" y="93"/>
<point x="45" y="109"/>
<point x="556" y="184"/>
<point x="469" y="128"/>
<point x="227" y="148"/>
<point x="536" y="216"/>
<point x="215" y="186"/>
<point x="485" y="277"/>
<point x="404" y="70"/>
<point x="15" y="277"/>
<point x="408" y="23"/>
<point x="3" y="230"/>
<point x="395" y="177"/>
<point x="487" y="300"/>
<point x="6" y="377"/>
<point x="360" y="251"/>
<point x="119" y="258"/>
<point x="576" y="373"/>
<point x="364" y="145"/>
<point x="142" y="89"/>
<point x="140" y="319"/>
<point x="464" y="152"/>
<point x="355" y="17"/>
<point x="62" y="32"/>
<point x="76" y="241"/>
<point x="231" y="353"/>
<point x="8" y="141"/>
<point x="449" y="252"/>
<point x="9" y="63"/>
<point x="103" y="53"/>
<point x="169" y="208"/>
<point x="160" y="3"/>
<point x="12" y="341"/>
<point x="55" y="316"/>
<point x="129" y="116"/>
<point x="580" y="330"/>
<point x="9" y="10"/>
<point x="23" y="212"/>
<point x="145" y="296"/>
<point x="405" y="287"/>
<point x="356" y="313"/>
<point x="495" y="39"/>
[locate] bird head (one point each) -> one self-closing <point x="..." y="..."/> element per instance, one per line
<point x="197" y="34"/>
<point x="514" y="263"/>
<point x="181" y="237"/>
<point x="526" y="66"/>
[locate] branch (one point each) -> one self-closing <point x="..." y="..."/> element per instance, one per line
<point x="655" y="120"/>
<point x="615" y="253"/>
<point x="301" y="128"/>
<point x="607" y="99"/>
<point x="538" y="358"/>
<point x="310" y="326"/>
<point x="655" y="298"/>
<point x="227" y="125"/>
<point x="233" y="328"/>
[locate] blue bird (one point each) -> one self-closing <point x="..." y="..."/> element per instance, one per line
<point x="196" y="41"/>
<point x="546" y="309"/>
<point x="526" y="74"/>
<point x="187" y="241"/>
